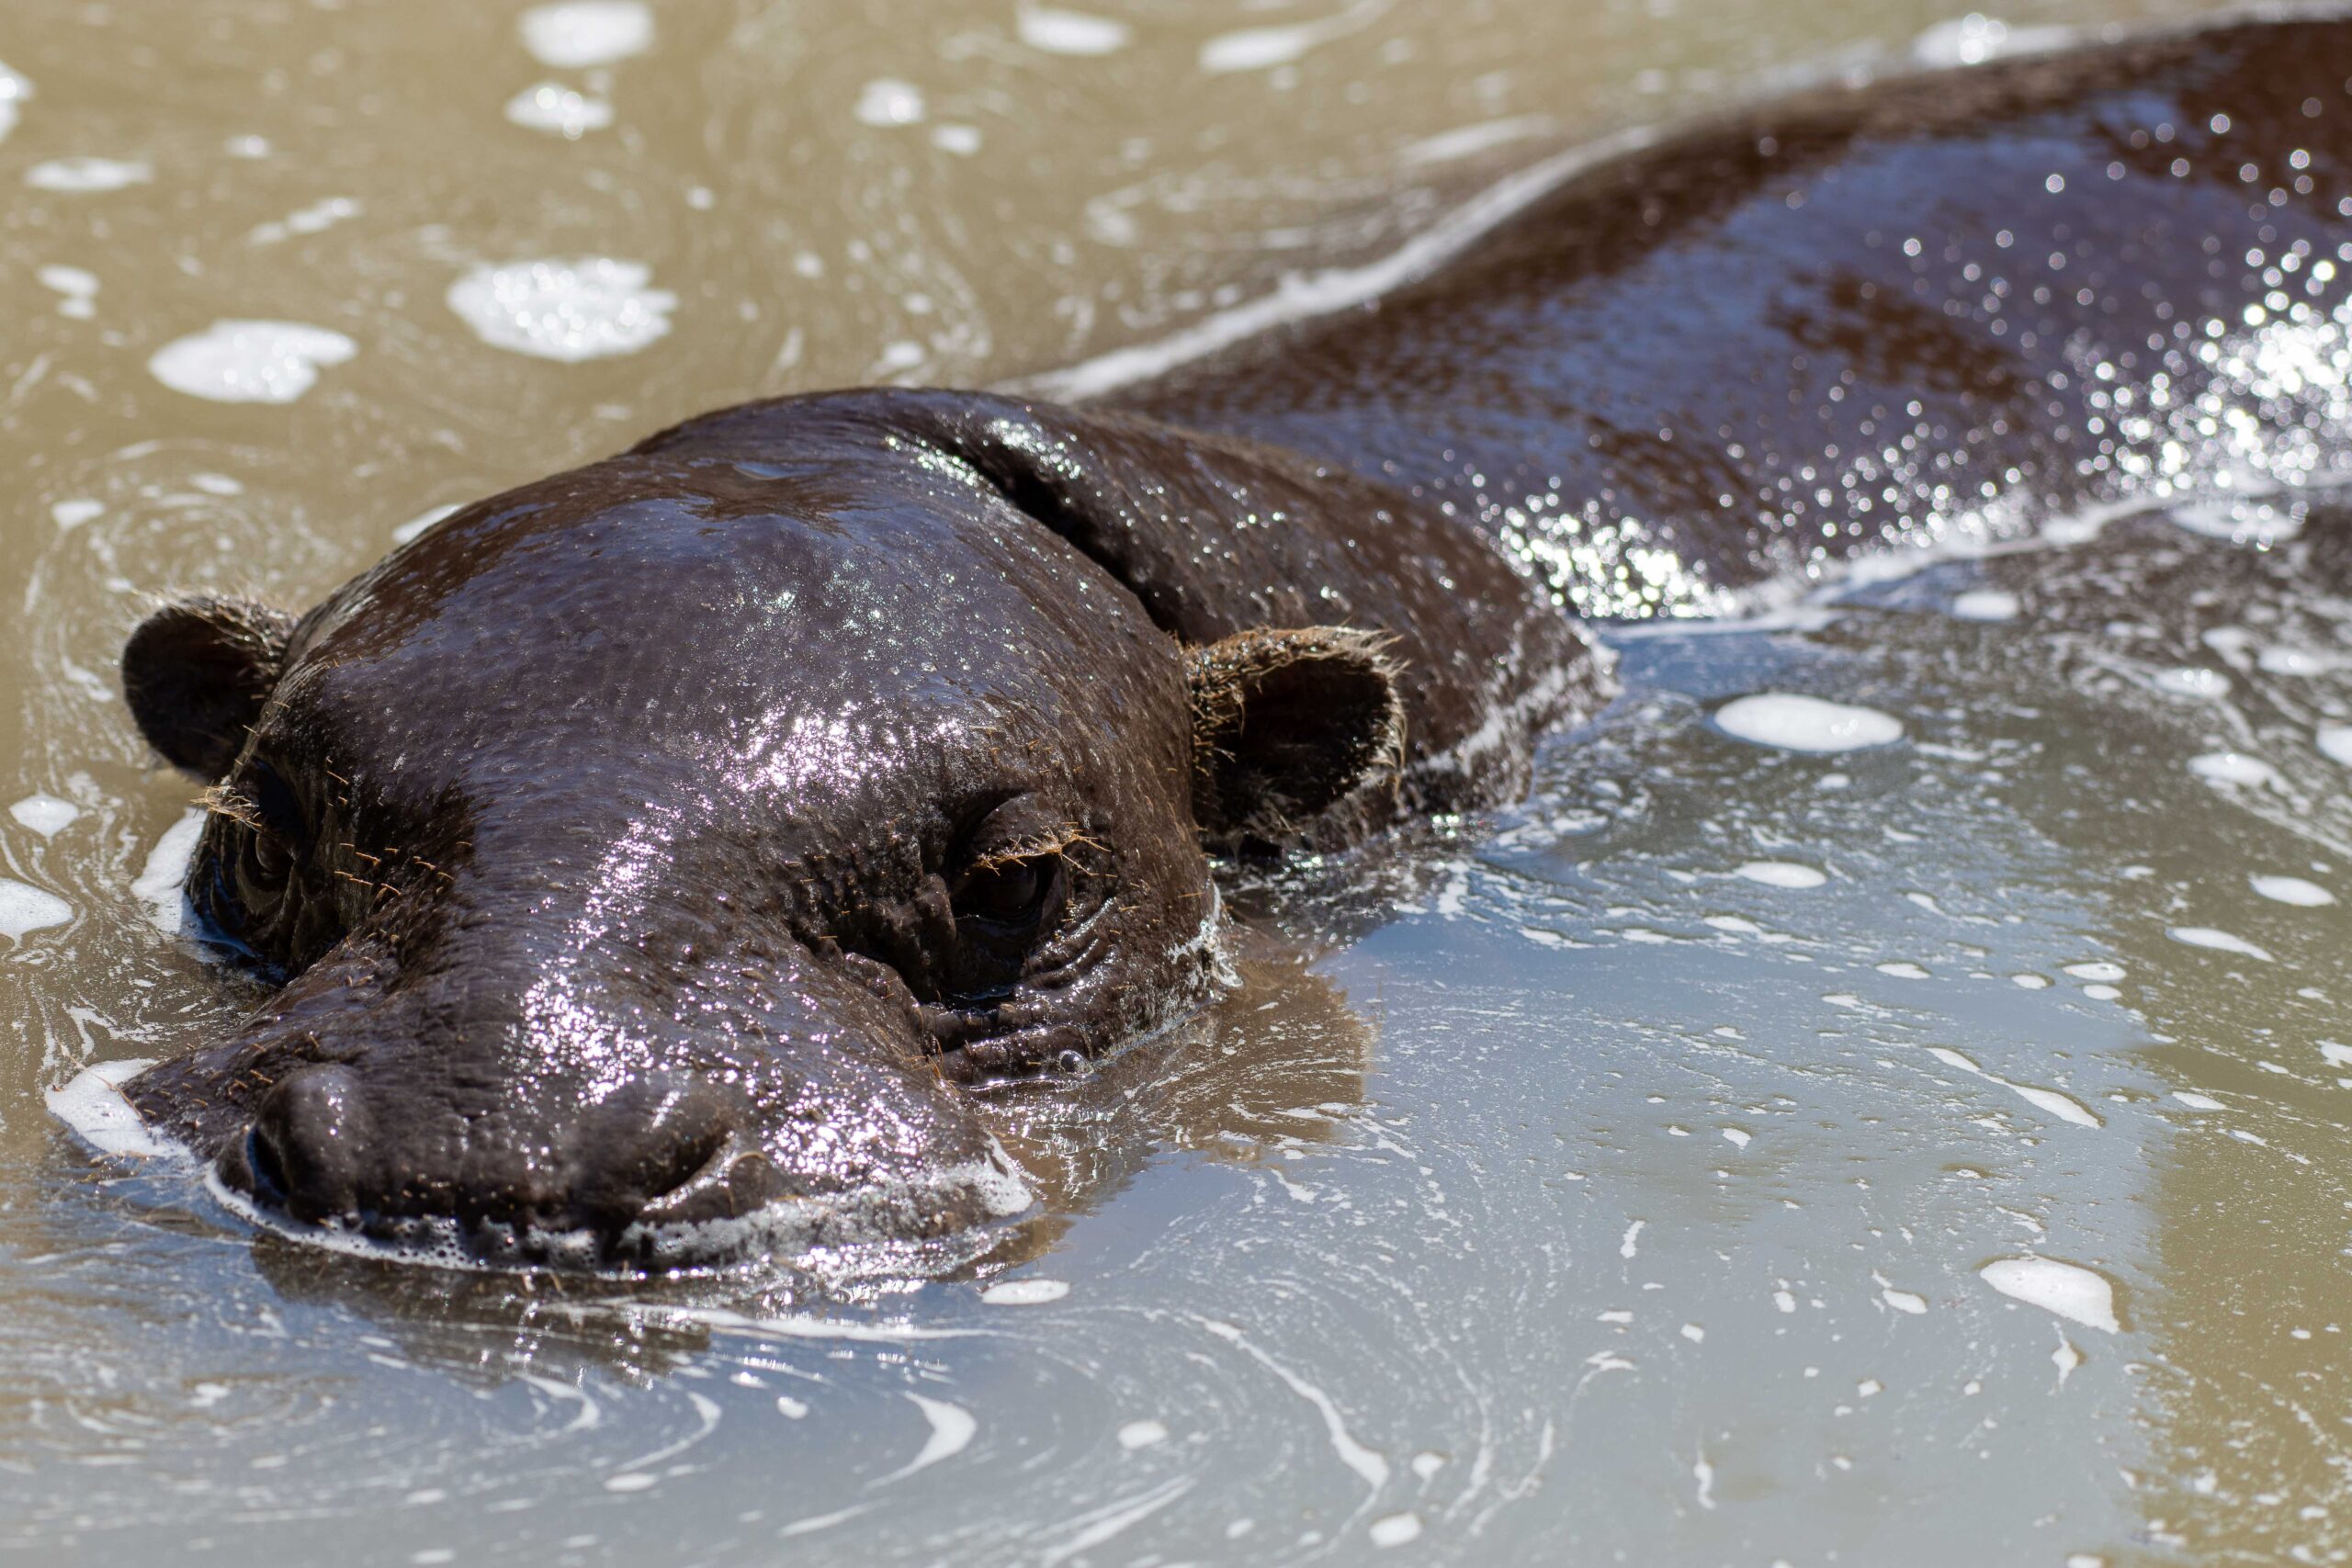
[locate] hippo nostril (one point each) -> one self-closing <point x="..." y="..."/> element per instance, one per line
<point x="649" y="1142"/>
<point x="303" y="1151"/>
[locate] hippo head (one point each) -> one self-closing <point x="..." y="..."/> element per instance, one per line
<point x="668" y="843"/>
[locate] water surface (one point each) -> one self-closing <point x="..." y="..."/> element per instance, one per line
<point x="1615" y="1178"/>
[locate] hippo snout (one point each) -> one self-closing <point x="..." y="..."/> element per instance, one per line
<point x="664" y="1151"/>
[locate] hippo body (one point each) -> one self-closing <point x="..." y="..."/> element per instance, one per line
<point x="653" y="855"/>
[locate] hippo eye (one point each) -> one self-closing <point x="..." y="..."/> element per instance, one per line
<point x="275" y="818"/>
<point x="1009" y="894"/>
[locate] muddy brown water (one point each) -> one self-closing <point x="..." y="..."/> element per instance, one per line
<point x="1626" y="1176"/>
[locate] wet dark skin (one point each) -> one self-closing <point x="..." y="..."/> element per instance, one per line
<point x="677" y="840"/>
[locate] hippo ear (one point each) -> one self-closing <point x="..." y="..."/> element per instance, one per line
<point x="197" y="672"/>
<point x="1287" y="725"/>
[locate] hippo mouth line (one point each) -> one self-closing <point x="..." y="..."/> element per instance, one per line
<point x="884" y="1217"/>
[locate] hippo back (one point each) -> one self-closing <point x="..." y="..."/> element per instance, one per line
<point x="1947" y="306"/>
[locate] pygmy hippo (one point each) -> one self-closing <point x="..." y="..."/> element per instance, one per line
<point x="653" y="855"/>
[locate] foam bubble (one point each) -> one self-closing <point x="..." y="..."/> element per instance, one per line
<point x="579" y="33"/>
<point x="1902" y="971"/>
<point x="79" y="286"/>
<point x="249" y="362"/>
<point x="1069" y="32"/>
<point x="1395" y="1530"/>
<point x="160" y="882"/>
<point x="25" y="909"/>
<point x="1985" y="604"/>
<point x="88" y="175"/>
<point x="2235" y="768"/>
<point x="1797" y="723"/>
<point x="14" y="90"/>
<point x="74" y="513"/>
<point x="886" y="101"/>
<point x="2190" y="681"/>
<point x="2095" y="971"/>
<point x="1141" y="1435"/>
<point x="1258" y="49"/>
<point x="952" y="1430"/>
<point x="2292" y="890"/>
<point x="1025" y="1292"/>
<point x="92" y="1105"/>
<point x="2301" y="661"/>
<point x="1976" y="38"/>
<point x="1781" y="874"/>
<point x="565" y="111"/>
<point x="568" y="310"/>
<point x="2196" y="1102"/>
<point x="2219" y="940"/>
<point x="2070" y="1290"/>
<point x="2238" y="519"/>
<point x="45" y="814"/>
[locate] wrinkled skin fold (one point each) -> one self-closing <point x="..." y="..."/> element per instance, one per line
<point x="654" y="855"/>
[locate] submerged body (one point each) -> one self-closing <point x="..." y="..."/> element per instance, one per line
<point x="653" y="853"/>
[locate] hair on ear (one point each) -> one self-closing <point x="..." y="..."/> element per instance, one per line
<point x="1298" y="736"/>
<point x="197" y="672"/>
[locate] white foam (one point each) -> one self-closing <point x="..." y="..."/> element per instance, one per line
<point x="1258" y="49"/>
<point x="588" y="307"/>
<point x="1054" y="32"/>
<point x="1781" y="874"/>
<point x="578" y="33"/>
<point x="2292" y="890"/>
<point x="2219" y="940"/>
<point x="160" y="882"/>
<point x="1796" y="723"/>
<point x="79" y="286"/>
<point x="2334" y="742"/>
<point x="1976" y="38"/>
<point x="45" y="814"/>
<point x="1904" y="1301"/>
<point x="88" y="175"/>
<point x="1394" y="1530"/>
<point x="1985" y="604"/>
<point x="1141" y="1435"/>
<point x="2095" y="971"/>
<point x="92" y="1105"/>
<point x="2239" y="520"/>
<point x="422" y="522"/>
<point x="2235" y="768"/>
<point x="14" y="90"/>
<point x="2300" y="661"/>
<point x="887" y="101"/>
<point x="2073" y="1292"/>
<point x="1469" y="139"/>
<point x="952" y="1430"/>
<point x="315" y="219"/>
<point x="2190" y="681"/>
<point x="1901" y="971"/>
<point x="2064" y="1107"/>
<point x="25" y="909"/>
<point x="1025" y="1292"/>
<point x="2196" y="1102"/>
<point x="249" y="362"/>
<point x="565" y="111"/>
